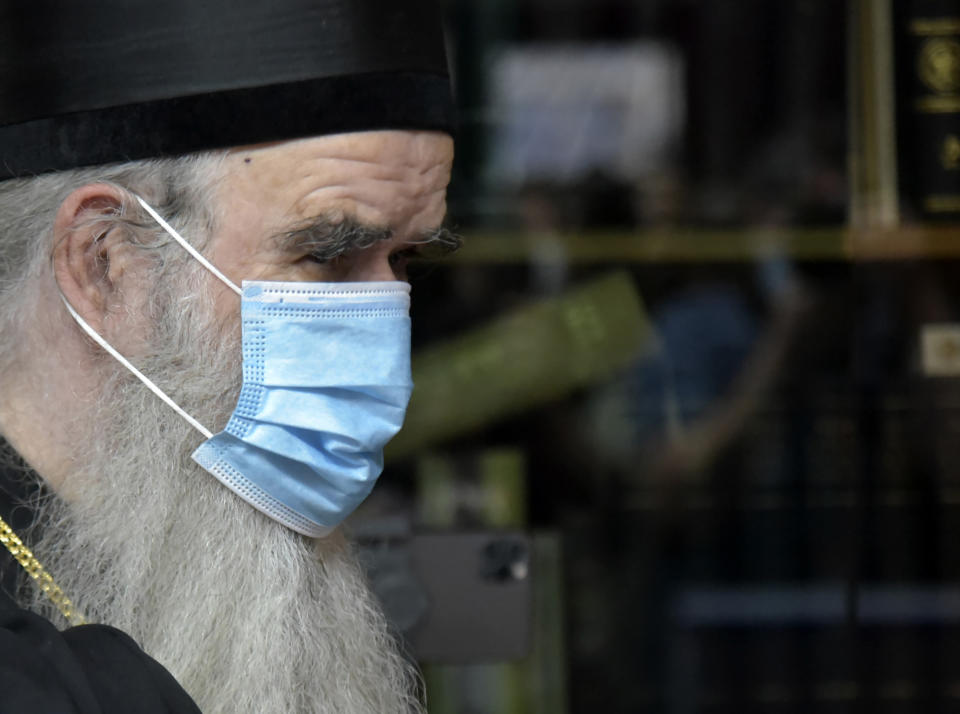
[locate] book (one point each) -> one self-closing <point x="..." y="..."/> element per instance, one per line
<point x="927" y="55"/>
<point x="524" y="359"/>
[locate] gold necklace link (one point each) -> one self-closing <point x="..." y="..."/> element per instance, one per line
<point x="36" y="571"/>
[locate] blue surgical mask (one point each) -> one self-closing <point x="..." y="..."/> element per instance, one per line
<point x="326" y="381"/>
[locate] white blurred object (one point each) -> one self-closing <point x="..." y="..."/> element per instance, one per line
<point x="562" y="111"/>
<point x="940" y="349"/>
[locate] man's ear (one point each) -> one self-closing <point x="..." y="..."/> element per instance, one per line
<point x="90" y="253"/>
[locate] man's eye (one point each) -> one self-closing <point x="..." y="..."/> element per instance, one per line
<point x="321" y="259"/>
<point x="402" y="257"/>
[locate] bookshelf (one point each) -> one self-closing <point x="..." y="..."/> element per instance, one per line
<point x="838" y="475"/>
<point x="686" y="245"/>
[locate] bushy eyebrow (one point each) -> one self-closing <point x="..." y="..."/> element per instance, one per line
<point x="327" y="238"/>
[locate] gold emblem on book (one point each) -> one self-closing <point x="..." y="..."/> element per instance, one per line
<point x="939" y="65"/>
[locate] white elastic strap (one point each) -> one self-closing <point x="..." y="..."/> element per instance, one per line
<point x="189" y="248"/>
<point x="142" y="377"/>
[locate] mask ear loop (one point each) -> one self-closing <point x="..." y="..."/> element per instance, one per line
<point x="95" y="336"/>
<point x="189" y="248"/>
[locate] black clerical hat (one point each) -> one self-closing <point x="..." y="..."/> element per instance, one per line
<point x="98" y="81"/>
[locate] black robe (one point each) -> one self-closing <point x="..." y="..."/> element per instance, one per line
<point x="89" y="669"/>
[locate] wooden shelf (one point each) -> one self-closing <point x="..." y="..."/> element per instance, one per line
<point x="712" y="246"/>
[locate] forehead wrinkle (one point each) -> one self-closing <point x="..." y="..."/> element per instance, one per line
<point x="359" y="181"/>
<point x="415" y="180"/>
<point x="378" y="162"/>
<point x="381" y="171"/>
<point x="363" y="202"/>
<point x="340" y="173"/>
<point x="359" y="188"/>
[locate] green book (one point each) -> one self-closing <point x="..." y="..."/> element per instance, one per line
<point x="524" y="359"/>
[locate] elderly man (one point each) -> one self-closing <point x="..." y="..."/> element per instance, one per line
<point x="205" y="214"/>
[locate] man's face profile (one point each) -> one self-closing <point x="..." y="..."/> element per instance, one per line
<point x="341" y="208"/>
<point x="137" y="534"/>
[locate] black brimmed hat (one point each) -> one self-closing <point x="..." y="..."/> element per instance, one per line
<point x="102" y="81"/>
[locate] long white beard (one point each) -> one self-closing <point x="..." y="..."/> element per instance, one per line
<point x="248" y="615"/>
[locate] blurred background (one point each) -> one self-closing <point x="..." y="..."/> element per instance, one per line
<point x="686" y="428"/>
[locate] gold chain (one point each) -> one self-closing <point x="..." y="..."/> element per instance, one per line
<point x="36" y="571"/>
